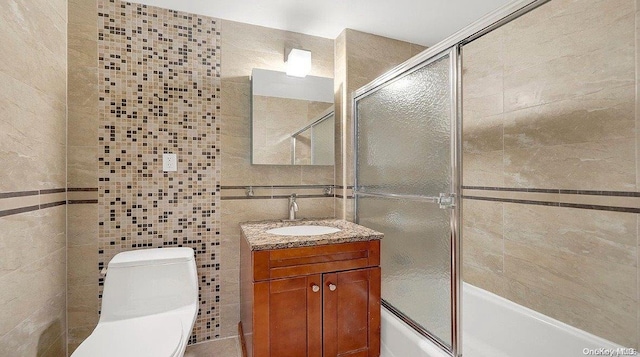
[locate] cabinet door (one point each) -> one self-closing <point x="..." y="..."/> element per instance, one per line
<point x="351" y="324"/>
<point x="289" y="319"/>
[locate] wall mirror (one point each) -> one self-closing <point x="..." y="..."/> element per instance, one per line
<point x="292" y="119"/>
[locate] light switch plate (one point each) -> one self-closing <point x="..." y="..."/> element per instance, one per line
<point x="169" y="162"/>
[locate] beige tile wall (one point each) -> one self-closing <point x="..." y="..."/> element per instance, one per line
<point x="547" y="105"/>
<point x="340" y="115"/>
<point x="360" y="58"/>
<point x="245" y="47"/>
<point x="550" y="102"/>
<point x="82" y="170"/>
<point x="33" y="99"/>
<point x="82" y="260"/>
<point x="637" y="36"/>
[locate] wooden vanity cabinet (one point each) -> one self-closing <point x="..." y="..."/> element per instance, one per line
<point x="321" y="301"/>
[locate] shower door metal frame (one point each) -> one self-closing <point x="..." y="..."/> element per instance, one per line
<point x="455" y="188"/>
<point x="453" y="46"/>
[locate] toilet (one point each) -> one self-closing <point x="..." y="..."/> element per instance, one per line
<point x="149" y="305"/>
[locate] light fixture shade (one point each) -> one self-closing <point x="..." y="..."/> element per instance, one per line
<point x="298" y="63"/>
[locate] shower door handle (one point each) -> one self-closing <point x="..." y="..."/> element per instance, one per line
<point x="444" y="200"/>
<point x="447" y="200"/>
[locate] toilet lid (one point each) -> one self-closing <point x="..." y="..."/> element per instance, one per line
<point x="149" y="336"/>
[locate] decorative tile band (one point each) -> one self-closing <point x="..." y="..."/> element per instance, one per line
<point x="53" y="204"/>
<point x="556" y="204"/>
<point x="53" y="190"/>
<point x="562" y="191"/>
<point x="79" y="202"/>
<point x="263" y="192"/>
<point x="339" y="187"/>
<point x="82" y="195"/>
<point x="228" y="198"/>
<point x="18" y="194"/>
<point x="347" y="190"/>
<point x="10" y="212"/>
<point x="597" y="200"/>
<point x="275" y="186"/>
<point x="26" y="201"/>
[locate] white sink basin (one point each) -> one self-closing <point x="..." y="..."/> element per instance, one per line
<point x="303" y="230"/>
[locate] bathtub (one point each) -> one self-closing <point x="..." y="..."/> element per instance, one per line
<point x="496" y="327"/>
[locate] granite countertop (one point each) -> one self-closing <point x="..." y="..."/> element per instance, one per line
<point x="258" y="238"/>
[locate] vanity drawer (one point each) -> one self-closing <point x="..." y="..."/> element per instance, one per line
<point x="289" y="262"/>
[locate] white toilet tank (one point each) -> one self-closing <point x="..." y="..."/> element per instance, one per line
<point x="149" y="281"/>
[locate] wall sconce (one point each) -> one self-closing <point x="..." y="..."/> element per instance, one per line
<point x="298" y="63"/>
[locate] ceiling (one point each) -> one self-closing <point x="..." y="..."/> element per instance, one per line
<point x="424" y="22"/>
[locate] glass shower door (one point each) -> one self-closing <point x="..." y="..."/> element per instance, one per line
<point x="406" y="181"/>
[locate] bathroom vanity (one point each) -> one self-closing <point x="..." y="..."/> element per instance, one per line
<point x="308" y="290"/>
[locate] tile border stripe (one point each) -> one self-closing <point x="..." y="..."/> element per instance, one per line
<point x="559" y="191"/>
<point x="275" y="192"/>
<point x="53" y="190"/>
<point x="53" y="204"/>
<point x="350" y="187"/>
<point x="556" y="204"/>
<point x="275" y="197"/>
<point x="347" y="197"/>
<point x="10" y="212"/>
<point x="17" y="202"/>
<point x="82" y="194"/>
<point x="76" y="202"/>
<point x="623" y="202"/>
<point x="275" y="186"/>
<point x="18" y="194"/>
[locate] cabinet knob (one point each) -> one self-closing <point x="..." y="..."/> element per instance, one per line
<point x="332" y="287"/>
<point x="315" y="288"/>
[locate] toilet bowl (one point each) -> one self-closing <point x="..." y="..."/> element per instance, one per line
<point x="149" y="305"/>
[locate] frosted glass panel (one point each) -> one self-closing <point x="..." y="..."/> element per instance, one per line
<point x="404" y="149"/>
<point x="415" y="259"/>
<point x="322" y="142"/>
<point x="404" y="134"/>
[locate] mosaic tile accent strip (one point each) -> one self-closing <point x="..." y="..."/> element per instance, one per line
<point x="159" y="87"/>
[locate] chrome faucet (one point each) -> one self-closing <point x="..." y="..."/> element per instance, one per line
<point x="293" y="207"/>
